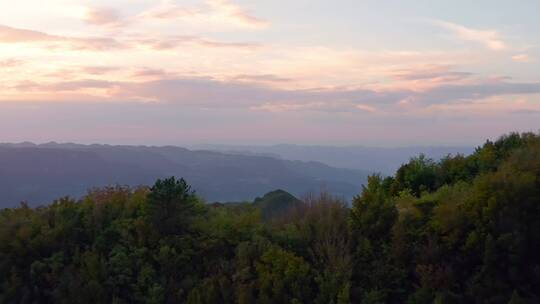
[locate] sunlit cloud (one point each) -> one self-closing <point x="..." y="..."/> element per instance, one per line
<point x="264" y="78"/>
<point x="523" y="58"/>
<point x="366" y="108"/>
<point x="212" y="13"/>
<point x="104" y="16"/>
<point x="167" y="43"/>
<point x="145" y="73"/>
<point x="16" y="35"/>
<point x="291" y="107"/>
<point x="431" y="73"/>
<point x="11" y="63"/>
<point x="264" y="59"/>
<point x="10" y="35"/>
<point x="157" y="86"/>
<point x="236" y="14"/>
<point x="98" y="70"/>
<point x="489" y="38"/>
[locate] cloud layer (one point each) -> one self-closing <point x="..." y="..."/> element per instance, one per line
<point x="281" y="65"/>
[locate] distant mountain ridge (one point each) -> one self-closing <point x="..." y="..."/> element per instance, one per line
<point x="372" y="159"/>
<point x="41" y="173"/>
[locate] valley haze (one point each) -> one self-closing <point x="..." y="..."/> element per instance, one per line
<point x="40" y="173"/>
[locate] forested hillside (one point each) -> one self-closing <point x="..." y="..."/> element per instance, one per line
<point x="459" y="230"/>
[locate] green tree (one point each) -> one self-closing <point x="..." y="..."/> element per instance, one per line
<point x="172" y="206"/>
<point x="283" y="277"/>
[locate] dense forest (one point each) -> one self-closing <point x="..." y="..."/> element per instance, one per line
<point x="465" y="229"/>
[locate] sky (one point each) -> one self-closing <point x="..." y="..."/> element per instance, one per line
<point x="344" y="72"/>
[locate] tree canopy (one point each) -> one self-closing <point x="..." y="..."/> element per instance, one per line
<point x="465" y="229"/>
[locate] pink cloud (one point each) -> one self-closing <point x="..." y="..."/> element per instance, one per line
<point x="434" y="73"/>
<point x="77" y="72"/>
<point x="10" y="63"/>
<point x="172" y="12"/>
<point x="147" y="85"/>
<point x="366" y="108"/>
<point x="81" y="84"/>
<point x="96" y="44"/>
<point x="102" y="16"/>
<point x="64" y="86"/>
<point x="522" y="58"/>
<point x="178" y="41"/>
<point x="98" y="70"/>
<point x="489" y="38"/>
<point x="269" y="78"/>
<point x="15" y="35"/>
<point x="221" y="12"/>
<point x="288" y="107"/>
<point x="236" y="12"/>
<point x="149" y="73"/>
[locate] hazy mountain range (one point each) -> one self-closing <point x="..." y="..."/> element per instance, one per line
<point x="41" y="173"/>
<point x="372" y="159"/>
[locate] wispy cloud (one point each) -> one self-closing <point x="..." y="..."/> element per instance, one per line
<point x="103" y="16"/>
<point x="172" y="42"/>
<point x="366" y="108"/>
<point x="145" y="73"/>
<point x="10" y="63"/>
<point x="489" y="38"/>
<point x="237" y="14"/>
<point x="265" y="78"/>
<point x="64" y="86"/>
<point x="14" y="35"/>
<point x="97" y="70"/>
<point x="523" y="58"/>
<point x="280" y="107"/>
<point x="156" y="42"/>
<point x="214" y="12"/>
<point x="17" y="35"/>
<point x="431" y="73"/>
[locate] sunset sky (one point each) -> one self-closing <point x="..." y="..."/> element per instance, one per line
<point x="346" y="72"/>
